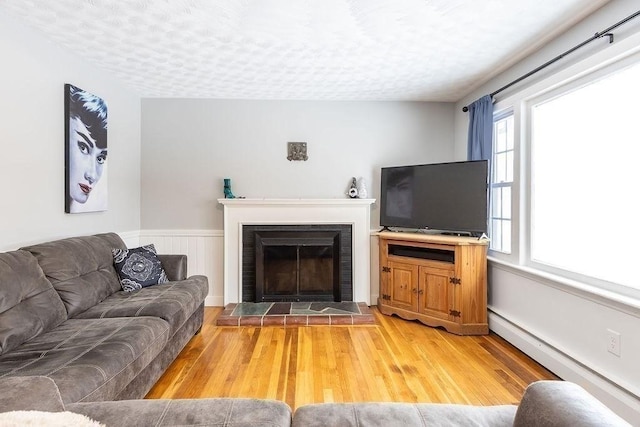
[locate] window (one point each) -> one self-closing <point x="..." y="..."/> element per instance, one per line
<point x="585" y="174"/>
<point x="501" y="183"/>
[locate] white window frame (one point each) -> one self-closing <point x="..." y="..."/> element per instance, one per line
<point x="566" y="89"/>
<point x="493" y="185"/>
<point x="519" y="259"/>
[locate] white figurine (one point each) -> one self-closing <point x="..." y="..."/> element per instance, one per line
<point x="362" y="188"/>
<point x="353" y="189"/>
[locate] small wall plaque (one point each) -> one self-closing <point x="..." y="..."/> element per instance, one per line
<point x="297" y="151"/>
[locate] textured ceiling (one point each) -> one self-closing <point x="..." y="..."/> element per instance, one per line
<point x="431" y="50"/>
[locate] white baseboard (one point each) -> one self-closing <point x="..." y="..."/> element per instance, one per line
<point x="620" y="400"/>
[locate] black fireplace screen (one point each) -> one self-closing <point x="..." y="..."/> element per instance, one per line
<point x="297" y="266"/>
<point x="297" y="263"/>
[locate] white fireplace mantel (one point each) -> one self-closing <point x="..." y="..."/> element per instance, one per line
<point x="239" y="212"/>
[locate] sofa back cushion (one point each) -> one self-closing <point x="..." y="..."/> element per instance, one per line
<point x="29" y="305"/>
<point x="80" y="268"/>
<point x="550" y="403"/>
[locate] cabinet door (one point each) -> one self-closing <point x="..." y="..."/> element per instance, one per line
<point x="436" y="293"/>
<point x="404" y="285"/>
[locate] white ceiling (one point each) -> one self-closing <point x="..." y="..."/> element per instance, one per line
<point x="430" y="50"/>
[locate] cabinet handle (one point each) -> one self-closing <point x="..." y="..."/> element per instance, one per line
<point x="421" y="291"/>
<point x="414" y="290"/>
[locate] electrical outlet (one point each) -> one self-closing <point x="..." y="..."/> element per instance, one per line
<point x="613" y="342"/>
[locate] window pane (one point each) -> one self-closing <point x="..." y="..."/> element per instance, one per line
<point x="510" y="130"/>
<point x="584" y="178"/>
<point x="506" y="203"/>
<point x="496" y="235"/>
<point x="509" y="166"/>
<point x="501" y="235"/>
<point x="506" y="236"/>
<point x="500" y="167"/>
<point x="496" y="202"/>
<point x="500" y="132"/>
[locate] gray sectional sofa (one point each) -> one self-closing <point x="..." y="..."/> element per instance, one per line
<point x="63" y="315"/>
<point x="544" y="404"/>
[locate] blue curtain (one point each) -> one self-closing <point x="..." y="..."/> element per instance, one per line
<point x="480" y="129"/>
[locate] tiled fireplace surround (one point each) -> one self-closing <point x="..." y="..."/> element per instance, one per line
<point x="239" y="212"/>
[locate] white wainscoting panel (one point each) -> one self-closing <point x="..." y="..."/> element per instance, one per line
<point x="130" y="238"/>
<point x="204" y="250"/>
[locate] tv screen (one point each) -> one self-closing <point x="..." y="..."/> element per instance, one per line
<point x="441" y="196"/>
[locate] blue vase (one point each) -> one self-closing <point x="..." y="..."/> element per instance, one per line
<point x="227" y="189"/>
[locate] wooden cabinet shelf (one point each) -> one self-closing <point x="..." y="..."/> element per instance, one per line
<point x="437" y="280"/>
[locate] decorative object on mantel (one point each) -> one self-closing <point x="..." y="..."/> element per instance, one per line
<point x="353" y="189"/>
<point x="362" y="188"/>
<point x="228" y="194"/>
<point x="297" y="151"/>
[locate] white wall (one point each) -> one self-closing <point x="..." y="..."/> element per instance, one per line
<point x="563" y="324"/>
<point x="34" y="71"/>
<point x="190" y="145"/>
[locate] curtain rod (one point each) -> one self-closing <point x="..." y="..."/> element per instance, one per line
<point x="603" y="33"/>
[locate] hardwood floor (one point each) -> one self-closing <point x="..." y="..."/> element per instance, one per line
<point x="394" y="361"/>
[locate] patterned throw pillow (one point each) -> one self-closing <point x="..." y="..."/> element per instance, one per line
<point x="138" y="267"/>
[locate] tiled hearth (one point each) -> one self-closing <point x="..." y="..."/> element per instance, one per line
<point x="296" y="314"/>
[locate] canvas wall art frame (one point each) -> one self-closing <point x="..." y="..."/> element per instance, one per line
<point x="85" y="151"/>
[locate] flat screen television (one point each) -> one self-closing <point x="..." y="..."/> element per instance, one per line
<point x="449" y="197"/>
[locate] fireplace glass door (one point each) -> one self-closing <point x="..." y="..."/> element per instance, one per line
<point x="294" y="266"/>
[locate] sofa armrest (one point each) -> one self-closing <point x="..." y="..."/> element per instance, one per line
<point x="175" y="266"/>
<point x="562" y="403"/>
<point x="35" y="393"/>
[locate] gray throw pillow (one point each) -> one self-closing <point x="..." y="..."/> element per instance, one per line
<point x="138" y="267"/>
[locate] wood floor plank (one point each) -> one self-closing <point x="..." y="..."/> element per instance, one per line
<point x="393" y="361"/>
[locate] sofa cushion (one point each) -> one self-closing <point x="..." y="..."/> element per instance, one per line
<point x="402" y="414"/>
<point x="89" y="359"/>
<point x="551" y="403"/>
<point x="80" y="268"/>
<point x="220" y="412"/>
<point x="174" y="265"/>
<point x="174" y="302"/>
<point x="138" y="268"/>
<point x="29" y="305"/>
<point x="30" y="394"/>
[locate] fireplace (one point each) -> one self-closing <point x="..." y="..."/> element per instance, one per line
<point x="301" y="262"/>
<point x="242" y="212"/>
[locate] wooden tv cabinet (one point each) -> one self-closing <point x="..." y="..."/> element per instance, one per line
<point x="435" y="279"/>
